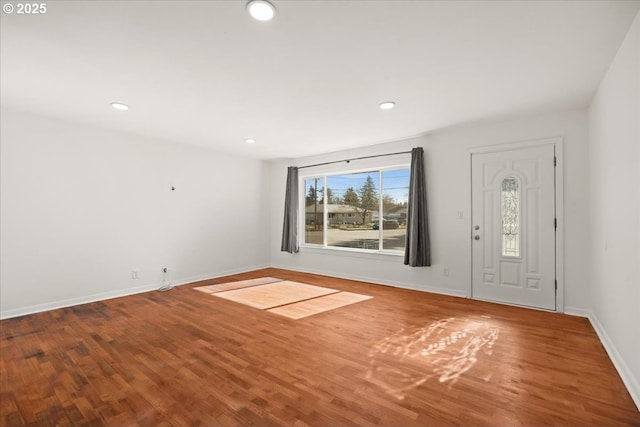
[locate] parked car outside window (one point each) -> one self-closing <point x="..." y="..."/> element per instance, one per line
<point x="387" y="224"/>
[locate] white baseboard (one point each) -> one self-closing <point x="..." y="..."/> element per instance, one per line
<point x="575" y="311"/>
<point x="53" y="305"/>
<point x="633" y="386"/>
<point x="397" y="284"/>
<point x="187" y="280"/>
<point x="631" y="382"/>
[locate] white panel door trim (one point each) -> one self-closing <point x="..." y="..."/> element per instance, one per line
<point x="559" y="202"/>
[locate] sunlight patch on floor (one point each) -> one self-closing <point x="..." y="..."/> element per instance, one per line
<point x="444" y="350"/>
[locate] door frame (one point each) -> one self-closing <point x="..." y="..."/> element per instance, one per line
<point x="557" y="142"/>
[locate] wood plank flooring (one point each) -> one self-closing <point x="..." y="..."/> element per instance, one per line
<point x="402" y="358"/>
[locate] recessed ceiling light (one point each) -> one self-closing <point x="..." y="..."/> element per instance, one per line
<point x="387" y="105"/>
<point x="119" y="106"/>
<point x="261" y="10"/>
<point x="250" y="140"/>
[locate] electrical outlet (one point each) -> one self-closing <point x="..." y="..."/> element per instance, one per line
<point x="445" y="271"/>
<point x="134" y="274"/>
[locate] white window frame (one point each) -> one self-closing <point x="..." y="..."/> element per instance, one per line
<point x="324" y="173"/>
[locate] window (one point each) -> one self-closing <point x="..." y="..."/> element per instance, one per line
<point x="314" y="208"/>
<point x="362" y="210"/>
<point x="510" y="208"/>
<point x="395" y="191"/>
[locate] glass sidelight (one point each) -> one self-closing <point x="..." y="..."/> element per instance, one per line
<point x="510" y="213"/>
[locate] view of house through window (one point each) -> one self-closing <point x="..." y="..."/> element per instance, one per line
<point x="365" y="210"/>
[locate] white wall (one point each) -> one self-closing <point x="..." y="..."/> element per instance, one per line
<point x="447" y="160"/>
<point x="614" y="142"/>
<point x="82" y="207"/>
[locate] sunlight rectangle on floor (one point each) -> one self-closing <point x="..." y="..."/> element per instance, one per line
<point x="321" y="304"/>
<point x="274" y="294"/>
<point x="210" y="289"/>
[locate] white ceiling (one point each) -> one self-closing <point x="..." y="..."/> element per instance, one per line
<point x="310" y="81"/>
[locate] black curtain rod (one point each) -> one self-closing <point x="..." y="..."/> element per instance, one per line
<point x="355" y="158"/>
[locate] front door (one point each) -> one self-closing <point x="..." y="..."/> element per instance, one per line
<point x="513" y="220"/>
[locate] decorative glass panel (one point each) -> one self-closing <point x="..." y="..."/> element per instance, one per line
<point x="510" y="210"/>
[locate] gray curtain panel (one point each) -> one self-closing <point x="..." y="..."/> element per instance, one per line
<point x="416" y="251"/>
<point x="290" y="225"/>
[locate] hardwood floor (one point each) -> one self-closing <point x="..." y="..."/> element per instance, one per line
<point x="402" y="358"/>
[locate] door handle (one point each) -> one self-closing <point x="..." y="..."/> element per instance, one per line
<point x="477" y="237"/>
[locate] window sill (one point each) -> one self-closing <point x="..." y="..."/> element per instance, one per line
<point x="356" y="253"/>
